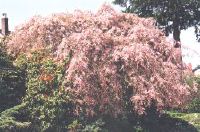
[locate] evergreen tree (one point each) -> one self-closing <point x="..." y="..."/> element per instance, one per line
<point x="171" y="15"/>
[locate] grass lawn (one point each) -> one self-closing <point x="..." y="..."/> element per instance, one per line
<point x="190" y="118"/>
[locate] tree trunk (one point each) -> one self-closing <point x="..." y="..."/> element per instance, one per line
<point x="176" y="34"/>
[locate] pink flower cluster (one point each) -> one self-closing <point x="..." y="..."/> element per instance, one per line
<point x="111" y="53"/>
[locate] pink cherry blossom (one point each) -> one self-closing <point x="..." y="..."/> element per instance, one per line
<point x="112" y="53"/>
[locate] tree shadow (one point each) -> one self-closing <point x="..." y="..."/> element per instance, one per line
<point x="165" y="123"/>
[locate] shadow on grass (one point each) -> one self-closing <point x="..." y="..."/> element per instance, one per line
<point x="167" y="124"/>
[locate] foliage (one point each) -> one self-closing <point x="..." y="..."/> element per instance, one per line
<point x="118" y="62"/>
<point x="13" y="119"/>
<point x="74" y="126"/>
<point x="95" y="126"/>
<point x="12" y="81"/>
<point x="48" y="104"/>
<point x="5" y="59"/>
<point x="192" y="118"/>
<point x="194" y="105"/>
<point x="171" y="15"/>
<point x="85" y="126"/>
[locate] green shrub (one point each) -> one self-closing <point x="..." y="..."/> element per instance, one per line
<point x="192" y="118"/>
<point x="12" y="82"/>
<point x="14" y="119"/>
<point x="48" y="104"/>
<point x="194" y="105"/>
<point x="97" y="126"/>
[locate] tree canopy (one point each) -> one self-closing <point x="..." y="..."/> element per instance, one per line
<point x="171" y="15"/>
<point x="114" y="58"/>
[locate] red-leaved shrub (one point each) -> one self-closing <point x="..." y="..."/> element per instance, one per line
<point x="117" y="58"/>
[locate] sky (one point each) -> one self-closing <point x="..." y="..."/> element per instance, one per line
<point x="19" y="11"/>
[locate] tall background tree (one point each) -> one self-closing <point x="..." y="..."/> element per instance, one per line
<point x="171" y="15"/>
